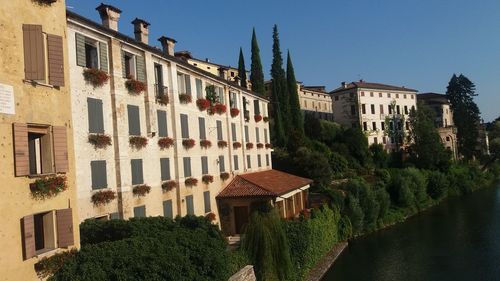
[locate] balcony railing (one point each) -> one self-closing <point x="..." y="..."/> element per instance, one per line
<point x="160" y="90"/>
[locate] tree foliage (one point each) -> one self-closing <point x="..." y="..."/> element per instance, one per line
<point x="297" y="120"/>
<point x="256" y="72"/>
<point x="242" y="72"/>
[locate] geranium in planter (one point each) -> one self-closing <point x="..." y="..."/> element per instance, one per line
<point x="134" y="86"/>
<point x="188" y="143"/>
<point x="141" y="190"/>
<point x="236" y="144"/>
<point x="206" y="179"/>
<point x="99" y="140"/>
<point x="47" y="187"/>
<point x="203" y="104"/>
<point x="168" y="185"/>
<point x="103" y="197"/>
<point x="210" y="216"/>
<point x="185" y="98"/>
<point x="224" y="176"/>
<point x="268" y="145"/>
<point x="257" y="117"/>
<point x="95" y="77"/>
<point x="190" y="182"/>
<point x="249" y="145"/>
<point x="260" y="145"/>
<point x="222" y="144"/>
<point x="234" y="112"/>
<point x="218" y="108"/>
<point x="165" y="143"/>
<point x="163" y="99"/>
<point x="205" y="144"/>
<point x="265" y="119"/>
<point x="138" y="142"/>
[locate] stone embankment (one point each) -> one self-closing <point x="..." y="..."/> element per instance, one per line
<point x="325" y="263"/>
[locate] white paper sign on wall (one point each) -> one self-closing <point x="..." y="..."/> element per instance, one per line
<point x="7" y="105"/>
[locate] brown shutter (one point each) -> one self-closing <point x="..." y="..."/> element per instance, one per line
<point x="64" y="220"/>
<point x="21" y="154"/>
<point x="28" y="232"/>
<point x="56" y="60"/>
<point x="34" y="53"/>
<point x="60" y="149"/>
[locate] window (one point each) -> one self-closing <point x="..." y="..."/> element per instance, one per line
<point x="186" y="161"/>
<point x="162" y="123"/>
<point x="267" y="160"/>
<point x="220" y="94"/>
<point x="256" y="107"/>
<point x="204" y="165"/>
<point x="91" y="57"/>
<point x="201" y="127"/>
<point x="447" y="138"/>
<point x="44" y="232"/>
<point x="382" y="125"/>
<point x="379" y="95"/>
<point x="98" y="174"/>
<point x="233" y="132"/>
<point x="375" y="140"/>
<point x="91" y="53"/>
<point x="412" y="97"/>
<point x="136" y="166"/>
<point x="353" y="110"/>
<point x="259" y="161"/>
<point x="365" y="126"/>
<point x="184" y="83"/>
<point x="165" y="169"/>
<point x="206" y="200"/>
<point x="134" y="123"/>
<point x="388" y="95"/>
<point x="406" y="109"/>
<point x="336" y="97"/>
<point x="362" y="94"/>
<point x="219" y="130"/>
<point x="222" y="165"/>
<point x="249" y="162"/>
<point x="404" y="96"/>
<point x="168" y="209"/>
<point x="363" y="109"/>
<point x="265" y="136"/>
<point x="128" y="61"/>
<point x="114" y="216"/>
<point x="96" y="122"/>
<point x="140" y="211"/>
<point x="160" y="89"/>
<point x="374" y="125"/>
<point x="236" y="163"/>
<point x="233" y="100"/>
<point x="397" y="96"/>
<point x="199" y="88"/>
<point x="40" y="150"/>
<point x="257" y="135"/>
<point x="189" y="205"/>
<point x="390" y="108"/>
<point x="371" y="94"/>
<point x="184" y="126"/>
<point x="398" y="109"/>
<point x="372" y="107"/>
<point x="305" y="103"/>
<point x="247" y="137"/>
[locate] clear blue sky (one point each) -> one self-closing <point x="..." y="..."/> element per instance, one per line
<point x="413" y="43"/>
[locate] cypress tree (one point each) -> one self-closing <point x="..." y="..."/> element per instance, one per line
<point x="279" y="96"/>
<point x="296" y="118"/>
<point x="256" y="73"/>
<point x="242" y="73"/>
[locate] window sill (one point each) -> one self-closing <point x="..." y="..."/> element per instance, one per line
<point x="41" y="175"/>
<point x="46" y="253"/>
<point x="36" y="83"/>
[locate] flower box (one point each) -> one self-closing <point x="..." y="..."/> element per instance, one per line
<point x="249" y="145"/>
<point x="218" y="108"/>
<point x="234" y="112"/>
<point x="95" y="77"/>
<point x="165" y="143"/>
<point x="202" y="104"/>
<point x="138" y="142"/>
<point x="168" y="185"/>
<point x="236" y="144"/>
<point x="222" y="144"/>
<point x="257" y="118"/>
<point x="224" y="176"/>
<point x="134" y="87"/>
<point x="205" y="144"/>
<point x="268" y="145"/>
<point x="141" y="190"/>
<point x="206" y="179"/>
<point x="102" y="197"/>
<point x="99" y="140"/>
<point x="47" y="187"/>
<point x="260" y="145"/>
<point x="190" y="182"/>
<point x="185" y="98"/>
<point x="163" y="99"/>
<point x="265" y="119"/>
<point x="188" y="143"/>
<point x="210" y="217"/>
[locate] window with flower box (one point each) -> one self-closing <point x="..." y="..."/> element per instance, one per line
<point x="162" y="123"/>
<point x="206" y="199"/>
<point x="204" y="165"/>
<point x="98" y="174"/>
<point x="184" y="83"/>
<point x="165" y="169"/>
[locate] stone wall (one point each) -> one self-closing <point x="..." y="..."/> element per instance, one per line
<point x="245" y="274"/>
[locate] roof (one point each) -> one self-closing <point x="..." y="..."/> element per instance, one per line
<point x="433" y="98"/>
<point x="370" y="85"/>
<point x="270" y="183"/>
<point x="315" y="88"/>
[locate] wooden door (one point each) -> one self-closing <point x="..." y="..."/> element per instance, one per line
<point x="240" y="218"/>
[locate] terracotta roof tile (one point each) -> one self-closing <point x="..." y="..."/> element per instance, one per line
<point x="374" y="86"/>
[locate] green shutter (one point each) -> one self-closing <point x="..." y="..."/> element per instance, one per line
<point x="256" y="107"/>
<point x="199" y="89"/>
<point x="257" y="135"/>
<point x="188" y="84"/>
<point x="95" y="116"/>
<point x="187" y="166"/>
<point x="247" y="138"/>
<point x="80" y="50"/>
<point x="103" y="56"/>
<point x="98" y="174"/>
<point x="233" y="131"/>
<point x="140" y="68"/>
<point x="201" y="125"/>
<point x="184" y="126"/>
<point x="259" y="161"/>
<point x="222" y="166"/>
<point x="204" y="165"/>
<point x="136" y="166"/>
<point x="206" y="198"/>
<point x="167" y="209"/>
<point x="162" y="123"/>
<point x="189" y="205"/>
<point x="124" y="72"/>
<point x="265" y="136"/>
<point x="236" y="164"/>
<point x="134" y="124"/>
<point x="165" y="168"/>
<point x="219" y="130"/>
<point x="249" y="162"/>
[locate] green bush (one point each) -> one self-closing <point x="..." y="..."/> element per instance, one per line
<point x="345" y="228"/>
<point x="355" y="213"/>
<point x="339" y="165"/>
<point x="437" y="185"/>
<point x="379" y="155"/>
<point x="237" y="260"/>
<point x="313" y="165"/>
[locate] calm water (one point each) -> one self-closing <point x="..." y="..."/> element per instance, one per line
<point x="457" y="240"/>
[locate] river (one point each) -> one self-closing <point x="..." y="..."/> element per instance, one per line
<point x="456" y="240"/>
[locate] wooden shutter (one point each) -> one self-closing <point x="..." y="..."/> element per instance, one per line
<point x="222" y="166"/>
<point x="204" y="165"/>
<point x="21" y="151"/>
<point x="103" y="56"/>
<point x="98" y="174"/>
<point x="34" y="52"/>
<point x="162" y="123"/>
<point x="56" y="60"/>
<point x="60" y="149"/>
<point x="165" y="168"/>
<point x="28" y="232"/>
<point x="80" y="50"/>
<point x="219" y="130"/>
<point x="137" y="177"/>
<point x="140" y="68"/>
<point x="188" y="84"/>
<point x="134" y="124"/>
<point x="124" y="72"/>
<point x="233" y="131"/>
<point x="140" y="211"/>
<point x="201" y="125"/>
<point x="95" y="115"/>
<point x="206" y="199"/>
<point x="64" y="218"/>
<point x="186" y="161"/>
<point x="247" y="138"/>
<point x="167" y="209"/>
<point x="256" y="107"/>
<point x="257" y="135"/>
<point x="189" y="205"/>
<point x="184" y="126"/>
<point x="236" y="164"/>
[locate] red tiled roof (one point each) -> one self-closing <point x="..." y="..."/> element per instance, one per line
<point x="374" y="86"/>
<point x="270" y="183"/>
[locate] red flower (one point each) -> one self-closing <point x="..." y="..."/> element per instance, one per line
<point x="190" y="182"/>
<point x="260" y="145"/>
<point x="207" y="179"/>
<point x="135" y="87"/>
<point x="141" y="190"/>
<point x="210" y="216"/>
<point x="218" y="108"/>
<point x="95" y="77"/>
<point x="203" y="104"/>
<point x="138" y="142"/>
<point x="234" y="112"/>
<point x="164" y="143"/>
<point x="236" y="144"/>
<point x="265" y="119"/>
<point x="268" y="145"/>
<point x="168" y="185"/>
<point x="205" y="144"/>
<point x="185" y="98"/>
<point x="224" y="176"/>
<point x="257" y="117"/>
<point x="249" y="145"/>
<point x="188" y="143"/>
<point x="99" y="140"/>
<point x="222" y="143"/>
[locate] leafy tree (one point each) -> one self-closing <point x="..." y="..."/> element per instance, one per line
<point x="426" y="150"/>
<point x="313" y="165"/>
<point x="242" y="72"/>
<point x="339" y="164"/>
<point x="379" y="155"/>
<point x="367" y="200"/>
<point x="384" y="201"/>
<point x="297" y="120"/>
<point x="437" y="185"/>
<point x="357" y="143"/>
<point x="461" y="92"/>
<point x="355" y="213"/>
<point x="256" y="73"/>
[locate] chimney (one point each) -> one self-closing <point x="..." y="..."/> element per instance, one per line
<point x="141" y="30"/>
<point x="168" y="45"/>
<point x="109" y="16"/>
<point x="343" y="84"/>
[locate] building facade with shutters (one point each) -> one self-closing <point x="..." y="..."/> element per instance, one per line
<point x="207" y="145"/>
<point x="37" y="169"/>
<point x="380" y="110"/>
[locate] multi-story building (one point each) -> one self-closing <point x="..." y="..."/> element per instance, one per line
<point x="443" y="119"/>
<point x="382" y="111"/>
<point x="190" y="124"/>
<point x="37" y="167"/>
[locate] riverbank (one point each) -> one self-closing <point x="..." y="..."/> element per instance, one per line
<point x="326" y="262"/>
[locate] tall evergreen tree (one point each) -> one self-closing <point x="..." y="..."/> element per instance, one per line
<point x="242" y="72"/>
<point x="460" y="92"/>
<point x="297" y="120"/>
<point x="279" y="96"/>
<point x="256" y="73"/>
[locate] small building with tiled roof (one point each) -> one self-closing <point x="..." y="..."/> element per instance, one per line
<point x="285" y="191"/>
